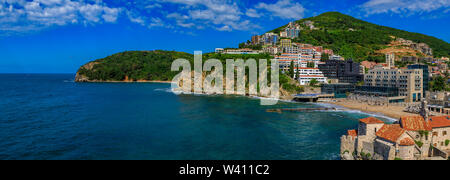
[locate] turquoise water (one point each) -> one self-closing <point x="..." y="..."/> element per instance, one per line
<point x="51" y="117"/>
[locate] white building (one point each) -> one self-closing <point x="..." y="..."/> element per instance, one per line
<point x="273" y="50"/>
<point x="336" y="57"/>
<point x="308" y="74"/>
<point x="241" y="51"/>
<point x="219" y="50"/>
<point x="306" y="79"/>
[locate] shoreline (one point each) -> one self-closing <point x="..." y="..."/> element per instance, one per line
<point x="394" y="112"/>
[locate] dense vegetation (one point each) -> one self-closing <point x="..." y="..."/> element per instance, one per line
<point x="357" y="39"/>
<point x="149" y="65"/>
<point x="136" y="65"/>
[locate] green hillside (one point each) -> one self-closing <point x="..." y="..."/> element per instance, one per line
<point x="146" y="65"/>
<point x="354" y="38"/>
<point x="136" y="65"/>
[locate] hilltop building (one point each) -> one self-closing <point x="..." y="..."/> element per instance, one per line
<point x="390" y="60"/>
<point x="285" y="43"/>
<point x="219" y="50"/>
<point x="292" y="30"/>
<point x="237" y="51"/>
<point x="256" y="40"/>
<point x="273" y="50"/>
<point x="269" y="39"/>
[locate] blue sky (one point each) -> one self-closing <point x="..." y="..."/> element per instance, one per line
<point x="57" y="36"/>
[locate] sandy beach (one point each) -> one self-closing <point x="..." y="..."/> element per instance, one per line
<point x="391" y="111"/>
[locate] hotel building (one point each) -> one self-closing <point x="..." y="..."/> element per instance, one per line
<point x="409" y="82"/>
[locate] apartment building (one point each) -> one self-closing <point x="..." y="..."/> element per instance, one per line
<point x="408" y="81"/>
<point x="343" y="71"/>
<point x="285" y="43"/>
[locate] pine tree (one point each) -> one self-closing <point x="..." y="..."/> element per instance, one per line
<point x="291" y="69"/>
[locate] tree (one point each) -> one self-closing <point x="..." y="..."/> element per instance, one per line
<point x="311" y="65"/>
<point x="325" y="57"/>
<point x="438" y="84"/>
<point x="291" y="69"/>
<point x="313" y="82"/>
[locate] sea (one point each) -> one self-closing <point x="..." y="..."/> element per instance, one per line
<point x="51" y="117"/>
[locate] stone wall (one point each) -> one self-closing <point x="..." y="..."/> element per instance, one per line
<point x="348" y="144"/>
<point x="406" y="152"/>
<point x="384" y="149"/>
<point x="440" y="136"/>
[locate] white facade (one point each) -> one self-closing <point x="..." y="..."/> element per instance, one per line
<point x="219" y="50"/>
<point x="307" y="74"/>
<point x="241" y="51"/>
<point x="305" y="79"/>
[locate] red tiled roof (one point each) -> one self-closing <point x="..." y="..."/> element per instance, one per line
<point x="318" y="76"/>
<point x="414" y="123"/>
<point x="371" y="120"/>
<point x="407" y="142"/>
<point x="306" y="68"/>
<point x="352" y="132"/>
<point x="390" y="132"/>
<point x="440" y="121"/>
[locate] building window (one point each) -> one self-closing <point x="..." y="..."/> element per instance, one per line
<point x="435" y="134"/>
<point x="444" y="133"/>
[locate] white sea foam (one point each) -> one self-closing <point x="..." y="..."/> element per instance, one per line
<point x="164" y="90"/>
<point x="343" y="109"/>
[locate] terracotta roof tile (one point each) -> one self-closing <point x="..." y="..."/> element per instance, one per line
<point x="390" y="132"/>
<point x="407" y="142"/>
<point x="371" y="120"/>
<point x="440" y="121"/>
<point x="414" y="123"/>
<point x="352" y="132"/>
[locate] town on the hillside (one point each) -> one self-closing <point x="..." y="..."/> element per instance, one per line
<point x="412" y="88"/>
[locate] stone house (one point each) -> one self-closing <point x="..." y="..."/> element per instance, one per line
<point x="441" y="132"/>
<point x="411" y="138"/>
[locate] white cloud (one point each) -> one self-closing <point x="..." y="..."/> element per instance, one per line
<point x="285" y="9"/>
<point x="218" y="14"/>
<point x="23" y="16"/>
<point x="403" y="6"/>
<point x="224" y="28"/>
<point x="252" y="13"/>
<point x="157" y="22"/>
<point x="135" y="18"/>
<point x="151" y="6"/>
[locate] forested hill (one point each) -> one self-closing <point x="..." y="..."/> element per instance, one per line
<point x="144" y="65"/>
<point x="351" y="37"/>
<point x="132" y="66"/>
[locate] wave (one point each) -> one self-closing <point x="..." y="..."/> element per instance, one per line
<point x="344" y="109"/>
<point x="169" y="90"/>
